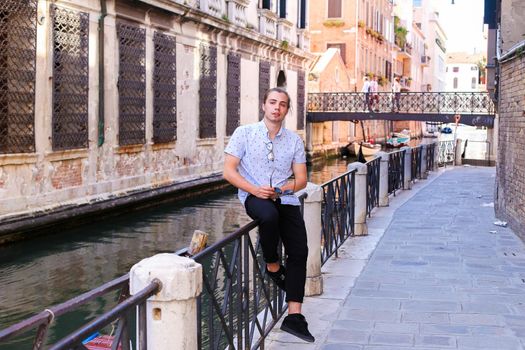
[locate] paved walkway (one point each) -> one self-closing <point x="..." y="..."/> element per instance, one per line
<point x="433" y="273"/>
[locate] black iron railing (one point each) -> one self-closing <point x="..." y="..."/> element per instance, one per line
<point x="372" y="184"/>
<point x="447" y="152"/>
<point x="417" y="155"/>
<point x="475" y="108"/>
<point x="123" y="313"/>
<point x="431" y="150"/>
<point x="396" y="171"/>
<point x="338" y="213"/>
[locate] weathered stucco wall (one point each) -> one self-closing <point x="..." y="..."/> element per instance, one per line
<point x="510" y="177"/>
<point x="512" y="23"/>
<point x="47" y="179"/>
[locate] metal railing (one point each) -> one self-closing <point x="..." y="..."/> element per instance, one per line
<point x="417" y="155"/>
<point x="372" y="184"/>
<point x="431" y="151"/>
<point x="396" y="171"/>
<point x="121" y="313"/>
<point x="447" y="152"/>
<point x="337" y="216"/>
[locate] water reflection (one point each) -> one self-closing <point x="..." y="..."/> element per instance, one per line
<point x="48" y="270"/>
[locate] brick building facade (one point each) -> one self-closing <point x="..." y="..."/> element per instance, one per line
<point x="510" y="178"/>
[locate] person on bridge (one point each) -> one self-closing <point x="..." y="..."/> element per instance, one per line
<point x="396" y="90"/>
<point x="260" y="160"/>
<point x="374" y="96"/>
<point x="366" y="90"/>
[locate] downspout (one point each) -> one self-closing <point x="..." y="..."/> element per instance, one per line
<point x="101" y="77"/>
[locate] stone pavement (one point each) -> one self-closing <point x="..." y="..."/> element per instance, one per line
<point x="433" y="273"/>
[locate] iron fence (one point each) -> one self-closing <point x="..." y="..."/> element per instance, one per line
<point x="417" y="155"/>
<point x="338" y="213"/>
<point x="447" y="152"/>
<point x="396" y="171"/>
<point x="431" y="150"/>
<point x="123" y="313"/>
<point x="372" y="184"/>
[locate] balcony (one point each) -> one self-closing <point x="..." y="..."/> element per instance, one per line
<point x="215" y="8"/>
<point x="237" y="11"/>
<point x="303" y="39"/>
<point x="425" y="60"/>
<point x="404" y="51"/>
<point x="267" y="23"/>
<point x="284" y="30"/>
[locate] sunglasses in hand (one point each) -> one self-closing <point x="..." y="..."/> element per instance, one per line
<point x="281" y="192"/>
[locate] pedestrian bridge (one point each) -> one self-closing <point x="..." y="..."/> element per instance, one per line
<point x="474" y="108"/>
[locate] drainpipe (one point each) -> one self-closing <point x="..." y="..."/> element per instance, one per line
<point x="101" y="80"/>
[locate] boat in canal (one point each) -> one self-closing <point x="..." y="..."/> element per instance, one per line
<point x="368" y="149"/>
<point x="398" y="140"/>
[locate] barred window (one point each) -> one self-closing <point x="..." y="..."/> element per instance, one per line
<point x="70" y="79"/>
<point x="300" y="100"/>
<point x="334" y="9"/>
<point x="17" y="75"/>
<point x="264" y="84"/>
<point x="233" y="94"/>
<point x="131" y="84"/>
<point x="208" y="92"/>
<point x="164" y="89"/>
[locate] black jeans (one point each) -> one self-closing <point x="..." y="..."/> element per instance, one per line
<point x="285" y="222"/>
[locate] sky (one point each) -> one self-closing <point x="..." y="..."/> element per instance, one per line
<point x="463" y="25"/>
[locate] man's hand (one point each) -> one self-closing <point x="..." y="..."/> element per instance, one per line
<point x="265" y="192"/>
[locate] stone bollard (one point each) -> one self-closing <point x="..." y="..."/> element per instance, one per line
<point x="383" y="179"/>
<point x="407" y="185"/>
<point x="312" y="219"/>
<point x="171" y="313"/>
<point x="457" y="156"/>
<point x="424" y="169"/>
<point x="360" y="192"/>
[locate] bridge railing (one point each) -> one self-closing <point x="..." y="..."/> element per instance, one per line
<point x="417" y="155"/>
<point x="431" y="151"/>
<point x="337" y="216"/>
<point x="402" y="102"/>
<point x="447" y="152"/>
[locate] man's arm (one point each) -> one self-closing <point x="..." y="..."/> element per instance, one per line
<point x="231" y="174"/>
<point x="299" y="180"/>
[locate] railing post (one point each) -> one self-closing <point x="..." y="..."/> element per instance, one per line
<point x="360" y="228"/>
<point x="383" y="179"/>
<point x="457" y="155"/>
<point x="407" y="185"/>
<point x="424" y="161"/>
<point x="171" y="319"/>
<point x="312" y="219"/>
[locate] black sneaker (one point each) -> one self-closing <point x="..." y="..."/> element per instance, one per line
<point x="296" y="324"/>
<point x="278" y="277"/>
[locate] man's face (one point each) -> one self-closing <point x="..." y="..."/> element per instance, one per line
<point x="276" y="106"/>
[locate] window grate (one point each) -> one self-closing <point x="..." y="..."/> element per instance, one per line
<point x="17" y="75"/>
<point x="300" y="100"/>
<point x="208" y="91"/>
<point x="131" y="84"/>
<point x="264" y="84"/>
<point x="70" y="79"/>
<point x="164" y="89"/>
<point x="233" y="94"/>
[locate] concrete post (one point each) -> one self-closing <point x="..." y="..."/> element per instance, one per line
<point x="457" y="156"/>
<point x="407" y="185"/>
<point x="312" y="220"/>
<point x="383" y="179"/>
<point x="424" y="169"/>
<point x="360" y="191"/>
<point x="172" y="312"/>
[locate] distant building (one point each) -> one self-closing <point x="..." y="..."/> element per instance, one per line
<point x="111" y="99"/>
<point x="465" y="72"/>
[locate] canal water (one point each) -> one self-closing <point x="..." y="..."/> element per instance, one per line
<point x="46" y="271"/>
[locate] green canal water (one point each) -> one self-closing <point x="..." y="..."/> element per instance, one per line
<point x="51" y="269"/>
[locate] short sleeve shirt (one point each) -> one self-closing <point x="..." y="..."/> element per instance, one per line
<point x="252" y="145"/>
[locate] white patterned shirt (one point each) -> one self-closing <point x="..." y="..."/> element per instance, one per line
<point x="250" y="143"/>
